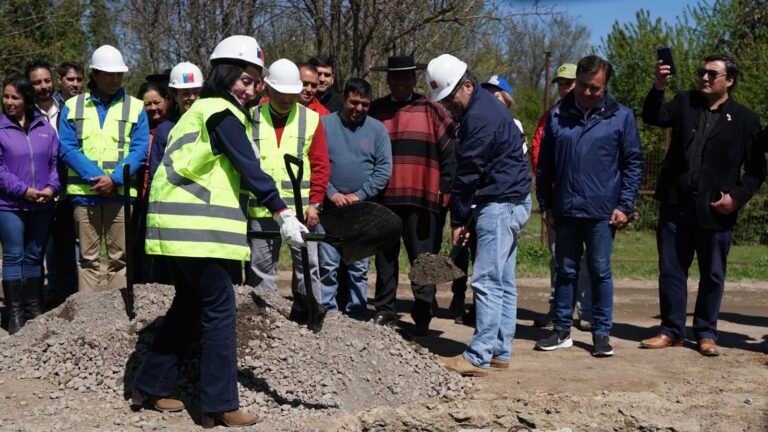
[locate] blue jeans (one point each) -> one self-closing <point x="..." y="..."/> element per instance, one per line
<point x="583" y="299"/>
<point x="205" y="299"/>
<point x="23" y="235"/>
<point x="572" y="235"/>
<point x="357" y="281"/>
<point x="493" y="280"/>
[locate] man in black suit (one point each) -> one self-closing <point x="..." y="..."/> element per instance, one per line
<point x="701" y="188"/>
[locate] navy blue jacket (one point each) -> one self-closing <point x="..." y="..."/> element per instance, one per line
<point x="490" y="164"/>
<point x="588" y="168"/>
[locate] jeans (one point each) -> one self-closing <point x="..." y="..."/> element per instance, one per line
<point x="204" y="298"/>
<point x="23" y="235"/>
<point x="572" y="235"/>
<point x="357" y="281"/>
<point x="493" y="280"/>
<point x="678" y="237"/>
<point x="583" y="298"/>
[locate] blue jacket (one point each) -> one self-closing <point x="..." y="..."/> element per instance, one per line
<point x="71" y="150"/>
<point x="490" y="163"/>
<point x="588" y="168"/>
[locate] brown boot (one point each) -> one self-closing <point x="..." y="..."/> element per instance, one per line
<point x="236" y="418"/>
<point x="499" y="364"/>
<point x="461" y="365"/>
<point x="660" y="341"/>
<point x="158" y="402"/>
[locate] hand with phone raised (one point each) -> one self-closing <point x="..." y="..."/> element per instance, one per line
<point x="665" y="67"/>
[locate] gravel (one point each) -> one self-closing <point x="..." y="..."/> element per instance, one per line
<point x="287" y="374"/>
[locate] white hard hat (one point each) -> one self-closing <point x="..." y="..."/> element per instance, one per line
<point x="239" y="47"/>
<point x="442" y="75"/>
<point x="108" y="59"/>
<point x="283" y="76"/>
<point x="185" y="75"/>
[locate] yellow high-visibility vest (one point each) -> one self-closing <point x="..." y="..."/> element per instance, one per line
<point x="296" y="140"/>
<point x="195" y="209"/>
<point x="105" y="146"/>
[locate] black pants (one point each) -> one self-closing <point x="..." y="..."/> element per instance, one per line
<point x="418" y="237"/>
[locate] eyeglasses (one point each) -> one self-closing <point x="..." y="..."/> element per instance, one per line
<point x="711" y="74"/>
<point x="452" y="94"/>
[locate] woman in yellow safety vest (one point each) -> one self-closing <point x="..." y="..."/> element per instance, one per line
<point x="195" y="219"/>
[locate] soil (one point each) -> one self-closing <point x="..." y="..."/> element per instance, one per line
<point x="675" y="389"/>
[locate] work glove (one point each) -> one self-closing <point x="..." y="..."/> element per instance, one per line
<point x="290" y="228"/>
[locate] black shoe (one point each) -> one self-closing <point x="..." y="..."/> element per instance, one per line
<point x="544" y="321"/>
<point x="602" y="346"/>
<point x="558" y="339"/>
<point x="384" y="318"/>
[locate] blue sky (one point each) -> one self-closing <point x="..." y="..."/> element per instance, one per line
<point x="599" y="15"/>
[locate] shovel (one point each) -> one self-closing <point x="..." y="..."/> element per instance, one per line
<point x="129" y="238"/>
<point x="432" y="269"/>
<point x="357" y="230"/>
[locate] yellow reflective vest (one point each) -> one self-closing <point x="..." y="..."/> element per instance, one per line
<point x="105" y="146"/>
<point x="296" y="140"/>
<point x="194" y="202"/>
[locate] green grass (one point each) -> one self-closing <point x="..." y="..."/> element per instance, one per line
<point x="634" y="255"/>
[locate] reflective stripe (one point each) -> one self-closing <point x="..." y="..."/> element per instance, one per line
<point x="177" y="179"/>
<point x="193" y="209"/>
<point x="109" y="165"/>
<point x="288" y="201"/>
<point x="196" y="236"/>
<point x="302" y="131"/>
<point x="121" y="127"/>
<point x="73" y="180"/>
<point x="289" y="186"/>
<point x="79" y="112"/>
<point x="255" y="141"/>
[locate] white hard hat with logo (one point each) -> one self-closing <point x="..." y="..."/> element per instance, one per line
<point x="442" y="75"/>
<point x="108" y="59"/>
<point x="185" y="75"/>
<point x="239" y="47"/>
<point x="283" y="76"/>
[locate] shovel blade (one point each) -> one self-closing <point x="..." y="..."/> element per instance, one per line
<point x="359" y="230"/>
<point x="431" y="269"/>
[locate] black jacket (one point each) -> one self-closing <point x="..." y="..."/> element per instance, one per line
<point x="732" y="144"/>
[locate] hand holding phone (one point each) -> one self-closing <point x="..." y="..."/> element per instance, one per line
<point x="665" y="55"/>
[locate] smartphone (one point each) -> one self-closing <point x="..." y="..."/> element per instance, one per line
<point x="665" y="55"/>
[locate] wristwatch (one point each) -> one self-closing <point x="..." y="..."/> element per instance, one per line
<point x="319" y="207"/>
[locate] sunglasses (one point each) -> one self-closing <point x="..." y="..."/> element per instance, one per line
<point x="711" y="74"/>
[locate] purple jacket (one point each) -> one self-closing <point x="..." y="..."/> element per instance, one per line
<point x="27" y="160"/>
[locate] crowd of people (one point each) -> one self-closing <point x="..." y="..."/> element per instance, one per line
<point x="205" y="166"/>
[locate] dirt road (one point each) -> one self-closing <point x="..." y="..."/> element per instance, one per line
<point x="675" y="389"/>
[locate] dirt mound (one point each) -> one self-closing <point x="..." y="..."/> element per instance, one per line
<point x="286" y="373"/>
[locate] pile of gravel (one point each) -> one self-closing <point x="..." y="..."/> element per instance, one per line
<point x="285" y="371"/>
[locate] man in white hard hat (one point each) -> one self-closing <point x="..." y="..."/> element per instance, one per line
<point x="423" y="166"/>
<point x="492" y="174"/>
<point x="102" y="130"/>
<point x="280" y="127"/>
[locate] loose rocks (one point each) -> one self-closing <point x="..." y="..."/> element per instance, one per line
<point x="286" y="373"/>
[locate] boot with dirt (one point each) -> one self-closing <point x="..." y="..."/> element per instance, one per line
<point x="236" y="418"/>
<point x="32" y="288"/>
<point x="14" y="301"/>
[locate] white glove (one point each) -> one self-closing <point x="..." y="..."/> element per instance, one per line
<point x="290" y="228"/>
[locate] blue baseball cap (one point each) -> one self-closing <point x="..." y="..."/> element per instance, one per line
<point x="498" y="82"/>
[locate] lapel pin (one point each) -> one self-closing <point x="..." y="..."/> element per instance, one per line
<point x="728" y="116"/>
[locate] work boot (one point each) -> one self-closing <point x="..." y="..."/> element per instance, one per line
<point x="14" y="301"/>
<point x="32" y="288"/>
<point x="236" y="418"/>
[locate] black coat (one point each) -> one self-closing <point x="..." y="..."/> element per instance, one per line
<point x="732" y="144"/>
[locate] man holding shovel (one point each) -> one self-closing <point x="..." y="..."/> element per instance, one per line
<point x="492" y="173"/>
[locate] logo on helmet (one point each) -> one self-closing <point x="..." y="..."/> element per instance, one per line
<point x="433" y="84"/>
<point x="188" y="78"/>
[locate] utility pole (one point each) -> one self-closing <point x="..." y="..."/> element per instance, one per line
<point x="547" y="62"/>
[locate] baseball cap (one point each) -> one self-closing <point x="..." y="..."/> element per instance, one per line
<point x="565" y="70"/>
<point x="499" y="82"/>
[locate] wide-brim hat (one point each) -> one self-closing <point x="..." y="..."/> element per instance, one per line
<point x="399" y="63"/>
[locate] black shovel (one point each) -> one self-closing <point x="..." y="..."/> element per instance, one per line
<point x="432" y="269"/>
<point x="315" y="312"/>
<point x="357" y="230"/>
<point x="129" y="238"/>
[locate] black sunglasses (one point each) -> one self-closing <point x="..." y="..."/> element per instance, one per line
<point x="711" y="74"/>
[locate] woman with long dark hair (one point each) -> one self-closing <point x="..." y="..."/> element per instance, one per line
<point x="195" y="220"/>
<point x="28" y="182"/>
